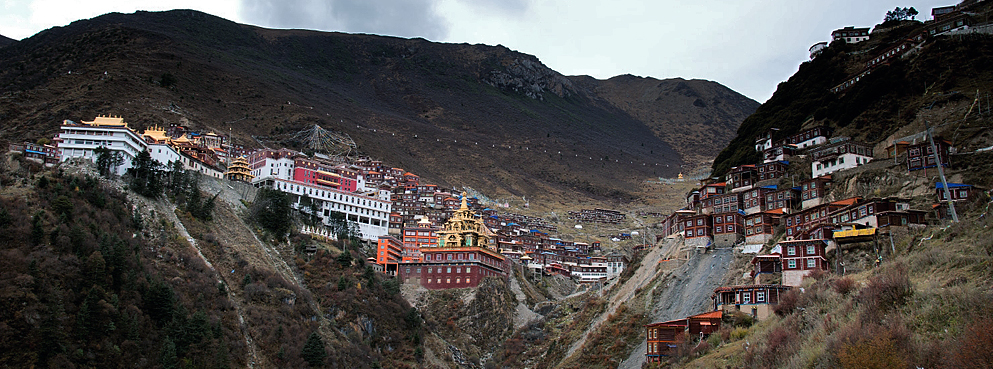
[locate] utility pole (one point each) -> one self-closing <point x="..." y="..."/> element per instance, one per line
<point x="941" y="172"/>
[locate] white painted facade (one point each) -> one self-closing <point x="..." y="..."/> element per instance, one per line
<point x="281" y="168"/>
<point x="163" y="153"/>
<point x="194" y="165"/>
<point x="813" y="141"/>
<point x="80" y="140"/>
<point x="371" y="214"/>
<point x="841" y="162"/>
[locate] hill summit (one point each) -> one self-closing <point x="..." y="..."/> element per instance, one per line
<point x="483" y="116"/>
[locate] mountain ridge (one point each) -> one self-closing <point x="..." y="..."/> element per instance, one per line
<point x="253" y="81"/>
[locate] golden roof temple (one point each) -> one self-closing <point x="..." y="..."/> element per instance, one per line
<point x="465" y="229"/>
<point x="239" y="171"/>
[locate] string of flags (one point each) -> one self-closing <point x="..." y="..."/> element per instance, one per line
<point x="524" y="148"/>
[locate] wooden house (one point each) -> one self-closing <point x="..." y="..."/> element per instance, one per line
<point x="802" y="257"/>
<point x="755" y="300"/>
<point x="663" y="337"/>
<point x="706" y="323"/>
<point x="921" y="156"/>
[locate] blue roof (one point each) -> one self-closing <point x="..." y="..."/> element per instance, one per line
<point x="772" y="187"/>
<point x="939" y="185"/>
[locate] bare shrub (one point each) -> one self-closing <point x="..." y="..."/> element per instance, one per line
<point x="972" y="349"/>
<point x="787" y="303"/>
<point x="818" y="274"/>
<point x="890" y="287"/>
<point x="738" y="319"/>
<point x="843" y="285"/>
<point x="777" y="346"/>
<point x="258" y="293"/>
<point x="869" y="345"/>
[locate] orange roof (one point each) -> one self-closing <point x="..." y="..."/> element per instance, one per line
<point x="847" y="201"/>
<point x="774" y="211"/>
<point x="711" y="315"/>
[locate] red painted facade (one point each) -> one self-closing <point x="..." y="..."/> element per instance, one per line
<point x="804" y="255"/>
<point x="458" y="267"/>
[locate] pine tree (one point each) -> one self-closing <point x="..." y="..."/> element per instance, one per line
<point x="313" y="351"/>
<point x="37" y="231"/>
<point x="107" y="161"/>
<point x="146" y="175"/>
<point x="169" y="358"/>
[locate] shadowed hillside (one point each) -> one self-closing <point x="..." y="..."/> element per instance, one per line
<point x="4" y="41"/>
<point x="457" y="114"/>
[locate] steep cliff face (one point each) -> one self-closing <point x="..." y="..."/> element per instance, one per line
<point x="456" y="114"/>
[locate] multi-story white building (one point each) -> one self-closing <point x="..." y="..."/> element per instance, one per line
<point x="850" y="34"/>
<point x="79" y="140"/>
<point x="370" y="213"/>
<point x="164" y="154"/>
<point x="272" y="163"/>
<point x="840" y="155"/>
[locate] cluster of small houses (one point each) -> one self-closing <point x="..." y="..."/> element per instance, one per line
<point x="946" y="20"/>
<point x="390" y="206"/>
<point x="751" y="207"/>
<point x="602" y="216"/>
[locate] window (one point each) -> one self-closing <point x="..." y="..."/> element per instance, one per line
<point x="811" y="263"/>
<point x="791" y="264"/>
<point x="791" y="251"/>
<point x="746" y="298"/>
<point x="467" y="270"/>
<point x="759" y="296"/>
<point x="699" y="232"/>
<point x="810" y="249"/>
<point x="449" y="270"/>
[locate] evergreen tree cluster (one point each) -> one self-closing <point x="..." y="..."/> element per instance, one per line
<point x="148" y="178"/>
<point x="900" y="14"/>
<point x="96" y="295"/>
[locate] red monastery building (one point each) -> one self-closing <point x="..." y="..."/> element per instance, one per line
<point x="465" y="254"/>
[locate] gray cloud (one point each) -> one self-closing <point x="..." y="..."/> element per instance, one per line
<point x="505" y="7"/>
<point x="404" y="18"/>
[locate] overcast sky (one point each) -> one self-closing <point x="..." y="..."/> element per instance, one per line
<point x="749" y="46"/>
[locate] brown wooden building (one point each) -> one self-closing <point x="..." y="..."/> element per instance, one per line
<point x="663" y="338"/>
